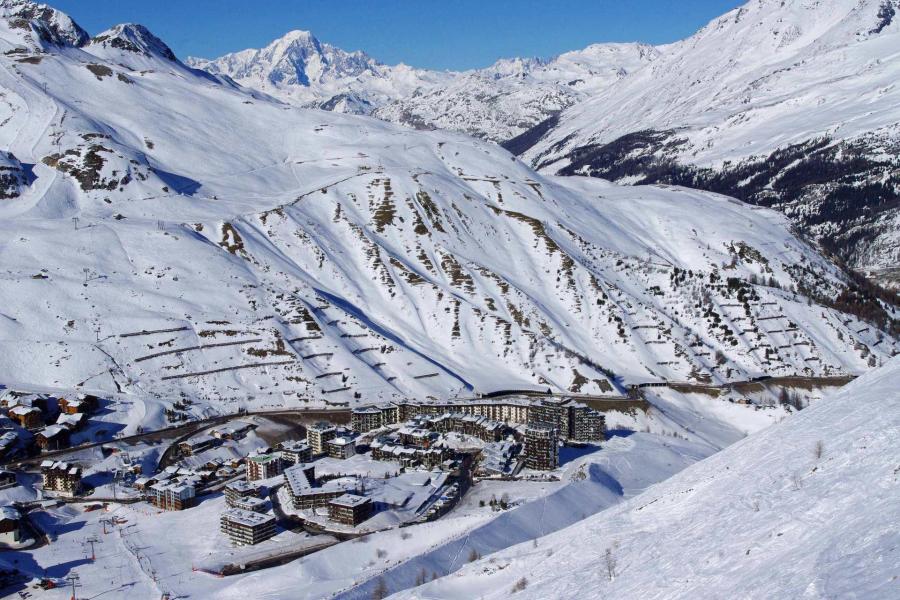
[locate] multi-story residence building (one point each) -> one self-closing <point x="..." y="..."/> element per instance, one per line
<point x="341" y="447"/>
<point x="294" y="452"/>
<point x="171" y="495"/>
<point x="246" y="528"/>
<point x="588" y="425"/>
<point x="305" y="490"/>
<point x="541" y="447"/>
<point x="350" y="509"/>
<point x="263" y="466"/>
<point x="366" y="418"/>
<point x="318" y="434"/>
<point x="61" y="478"/>
<point x="236" y="491"/>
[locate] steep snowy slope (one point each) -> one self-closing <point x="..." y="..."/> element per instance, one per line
<point x="178" y="235"/>
<point x="792" y="104"/>
<point x="804" y="509"/>
<point x="495" y="103"/>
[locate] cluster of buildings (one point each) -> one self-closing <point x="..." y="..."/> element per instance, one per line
<point x="36" y="413"/>
<point x="575" y="422"/>
<point x="540" y="424"/>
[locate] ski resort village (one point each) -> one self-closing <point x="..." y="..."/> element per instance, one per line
<point x="294" y="323"/>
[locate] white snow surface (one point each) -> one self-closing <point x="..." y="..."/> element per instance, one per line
<point x="302" y="256"/>
<point x="497" y="102"/>
<point x="763" y="76"/>
<point x="764" y="518"/>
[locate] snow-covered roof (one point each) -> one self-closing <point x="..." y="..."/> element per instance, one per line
<point x="241" y="485"/>
<point x="350" y="500"/>
<point x="246" y="517"/>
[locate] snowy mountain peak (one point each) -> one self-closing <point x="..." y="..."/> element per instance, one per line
<point x="297" y="58"/>
<point x="131" y="37"/>
<point x="52" y="26"/>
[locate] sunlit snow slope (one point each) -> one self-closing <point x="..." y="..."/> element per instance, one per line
<point x="785" y="103"/>
<point x="769" y="517"/>
<point x="168" y="232"/>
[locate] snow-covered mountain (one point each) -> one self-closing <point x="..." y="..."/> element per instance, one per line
<point x="166" y="232"/>
<point x="300" y="69"/>
<point x="803" y="509"/>
<point x="496" y="103"/>
<point x="784" y="103"/>
<point x="511" y="96"/>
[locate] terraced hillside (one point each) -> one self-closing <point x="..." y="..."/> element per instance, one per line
<point x="177" y="236"/>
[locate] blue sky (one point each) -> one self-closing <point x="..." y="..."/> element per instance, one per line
<point x="447" y="34"/>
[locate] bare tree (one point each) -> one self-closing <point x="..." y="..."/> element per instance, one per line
<point x="819" y="449"/>
<point x="473" y="555"/>
<point x="610" y="562"/>
<point x="520" y="585"/>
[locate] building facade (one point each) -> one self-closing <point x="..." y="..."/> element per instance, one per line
<point x="61" y="478"/>
<point x="318" y="434"/>
<point x="246" y="528"/>
<point x="236" y="491"/>
<point x="350" y="509"/>
<point x="295" y="452"/>
<point x="541" y="447"/>
<point x="171" y="496"/>
<point x="263" y="466"/>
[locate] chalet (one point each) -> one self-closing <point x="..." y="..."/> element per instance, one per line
<point x="10" y="525"/>
<point x="29" y="417"/>
<point x="232" y="431"/>
<point x="74" y="421"/>
<point x="142" y="483"/>
<point x="54" y="437"/>
<point x="8" y="441"/>
<point x="71" y="407"/>
<point x="10" y="399"/>
<point x="350" y="509"/>
<point x="246" y="528"/>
